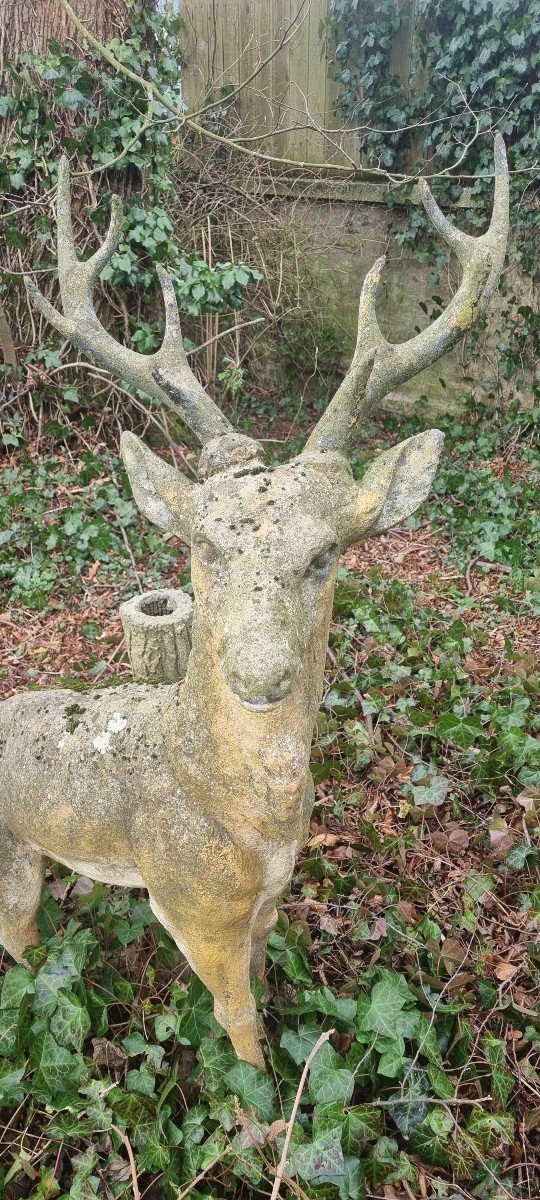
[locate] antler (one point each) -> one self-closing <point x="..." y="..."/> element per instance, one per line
<point x="379" y="366"/>
<point x="165" y="375"/>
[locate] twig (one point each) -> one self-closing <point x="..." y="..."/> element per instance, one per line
<point x="132" y="557"/>
<point x="468" y="580"/>
<point x="134" y="1179"/>
<point x="223" y="333"/>
<point x="290" y="1126"/>
<point x="194" y="1182"/>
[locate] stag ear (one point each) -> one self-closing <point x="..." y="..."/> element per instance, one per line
<point x="397" y="483"/>
<point x="159" y="490"/>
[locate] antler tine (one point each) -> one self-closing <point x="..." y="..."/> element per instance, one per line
<point x="482" y="260"/>
<point x="337" y="424"/>
<point x="166" y="375"/>
<point x="77" y="279"/>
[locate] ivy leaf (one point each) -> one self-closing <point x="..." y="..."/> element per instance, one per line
<point x="253" y="1087"/>
<point x="135" y="1044"/>
<point x="491" y="1129"/>
<point x="193" y="1125"/>
<point x="411" y="1109"/>
<point x="71" y="1022"/>
<point x="464" y="731"/>
<point x="433" y="791"/>
<point x="154" y="1155"/>
<point x="299" y="1045"/>
<point x="386" y="1013"/>
<point x="166" y="1026"/>
<point x="97" y="1011"/>
<point x="389" y="1164"/>
<point x="143" y="1081"/>
<point x="430" y="1140"/>
<point x="503" y="1084"/>
<point x="358" y="1126"/>
<point x="52" y="977"/>
<point x="330" y="1081"/>
<point x="197" y="1018"/>
<point x="138" y="1112"/>
<point x="201" y="1158"/>
<point x="340" y="1008"/>
<point x="392" y="1062"/>
<point x="353" y="1184"/>
<point x="11" y="1094"/>
<point x="320" y="1160"/>
<point x="216" y="1059"/>
<point x="18" y="982"/>
<point x="440" y="1082"/>
<point x="291" y="959"/>
<point x="57" y="1072"/>
<point x="364" y="1124"/>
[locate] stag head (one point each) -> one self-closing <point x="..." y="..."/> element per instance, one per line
<point x="266" y="542"/>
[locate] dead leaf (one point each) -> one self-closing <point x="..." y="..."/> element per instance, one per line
<point x="106" y="1054"/>
<point x="324" y="839"/>
<point x="458" y="840"/>
<point x="529" y="800"/>
<point x="500" y="836"/>
<point x="408" y="912"/>
<point x="452" y="954"/>
<point x="118" y="1170"/>
<point x="504" y="971"/>
<point x="83" y="886"/>
<point x="379" y="930"/>
<point x="328" y="924"/>
<point x="58" y="888"/>
<point x="275" y="1129"/>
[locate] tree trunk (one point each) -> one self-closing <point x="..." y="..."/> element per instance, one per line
<point x="29" y="24"/>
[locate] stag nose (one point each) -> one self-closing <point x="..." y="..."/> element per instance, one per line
<point x="257" y="695"/>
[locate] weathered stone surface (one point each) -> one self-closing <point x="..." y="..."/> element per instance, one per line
<point x="157" y="628"/>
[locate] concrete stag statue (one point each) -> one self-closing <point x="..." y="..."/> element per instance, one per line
<point x="200" y="791"/>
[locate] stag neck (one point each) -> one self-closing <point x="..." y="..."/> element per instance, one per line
<point x="258" y="761"/>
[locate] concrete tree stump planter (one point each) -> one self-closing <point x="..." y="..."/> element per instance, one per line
<point x="157" y="628"/>
<point x="200" y="791"/>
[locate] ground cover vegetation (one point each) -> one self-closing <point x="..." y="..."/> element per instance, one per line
<point x="411" y="927"/>
<point x="410" y="935"/>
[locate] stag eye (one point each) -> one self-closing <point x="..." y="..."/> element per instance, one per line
<point x="320" y="565"/>
<point x="207" y="554"/>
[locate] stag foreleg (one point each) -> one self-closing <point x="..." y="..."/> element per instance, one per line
<point x="221" y="959"/>
<point x="22" y="876"/>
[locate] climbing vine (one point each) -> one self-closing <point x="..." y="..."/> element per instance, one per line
<point x="67" y="102"/>
<point x="474" y="68"/>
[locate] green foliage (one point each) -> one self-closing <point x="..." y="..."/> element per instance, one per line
<point x="61" y="102"/>
<point x="474" y="69"/>
<point x="99" y="1034"/>
<point x="47" y="540"/>
<point x="108" y="111"/>
<point x="350" y="1118"/>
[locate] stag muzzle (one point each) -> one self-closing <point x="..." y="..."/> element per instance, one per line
<point x="262" y="651"/>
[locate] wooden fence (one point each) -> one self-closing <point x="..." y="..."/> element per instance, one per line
<point x="287" y="105"/>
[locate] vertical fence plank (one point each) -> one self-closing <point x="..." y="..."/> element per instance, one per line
<point x="226" y="39"/>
